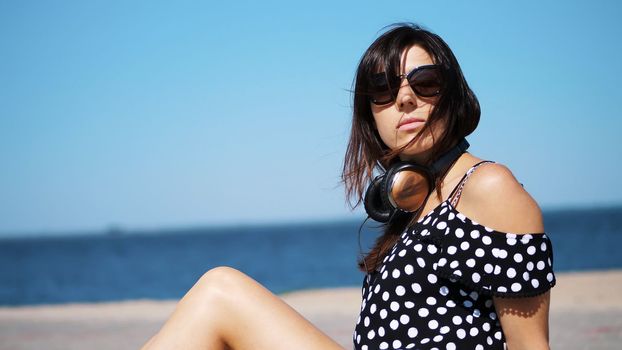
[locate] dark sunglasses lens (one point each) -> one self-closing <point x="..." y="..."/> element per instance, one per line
<point x="426" y="82"/>
<point x="383" y="91"/>
<point x="382" y="97"/>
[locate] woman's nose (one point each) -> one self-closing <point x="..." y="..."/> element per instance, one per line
<point x="406" y="99"/>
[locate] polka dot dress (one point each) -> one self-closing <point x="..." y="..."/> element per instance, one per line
<point x="434" y="289"/>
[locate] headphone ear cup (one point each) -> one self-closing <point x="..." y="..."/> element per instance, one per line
<point x="375" y="205"/>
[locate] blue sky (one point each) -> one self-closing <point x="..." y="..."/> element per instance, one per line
<point x="158" y="114"/>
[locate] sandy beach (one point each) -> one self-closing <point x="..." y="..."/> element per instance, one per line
<point x="586" y="313"/>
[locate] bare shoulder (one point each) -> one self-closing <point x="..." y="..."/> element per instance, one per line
<point x="493" y="197"/>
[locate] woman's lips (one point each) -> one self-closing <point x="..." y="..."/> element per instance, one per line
<point x="410" y="124"/>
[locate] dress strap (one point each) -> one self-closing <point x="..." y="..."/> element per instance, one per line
<point x="457" y="191"/>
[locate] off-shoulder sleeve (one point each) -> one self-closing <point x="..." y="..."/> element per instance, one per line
<point x="493" y="262"/>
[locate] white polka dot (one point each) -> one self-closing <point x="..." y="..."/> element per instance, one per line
<point x="486" y="326"/>
<point x="400" y="290"/>
<point x="444" y="290"/>
<point x="459" y="233"/>
<point x="441" y="310"/>
<point x="488" y="268"/>
<point x="444" y="330"/>
<point x="416" y="287"/>
<point x="540" y="265"/>
<point x="512" y="241"/>
<point x="511" y="272"/>
<point x="381" y="331"/>
<point x="450" y="346"/>
<point x="366" y="321"/>
<point x="461" y="333"/>
<point x="475" y="234"/>
<point x="425" y="340"/>
<point x="432" y="249"/>
<point x="464" y="245"/>
<point x="531" y="250"/>
<point x="503" y="253"/>
<point x="402" y="252"/>
<point x="385" y="296"/>
<point x="394" y="306"/>
<point x="418" y="247"/>
<point x="502" y="289"/>
<point x="433" y="324"/>
<point x="385" y="274"/>
<point x="384" y="345"/>
<point x="493" y="316"/>
<point x="530" y="266"/>
<point x="397" y="344"/>
<point x="454" y="264"/>
<point x="498" y="335"/>
<point x="473" y="332"/>
<point x="518" y="257"/>
<point x="526" y="276"/>
<point x="451" y="216"/>
<point x="421" y="262"/>
<point x="394" y="324"/>
<point x="516" y="287"/>
<point x="392" y="257"/>
<point x="430" y="301"/>
<point x="476" y="313"/>
<point x="395" y="273"/>
<point x="543" y="246"/>
<point x="535" y="283"/>
<point x="423" y="312"/>
<point x="451" y="250"/>
<point x="476" y="277"/>
<point x="450" y="303"/>
<point x="409" y="304"/>
<point x="442" y="262"/>
<point x="371" y="334"/>
<point x="470" y="262"/>
<point x="469" y="319"/>
<point x="383" y="314"/>
<point x="486" y="240"/>
<point x="479" y="347"/>
<point x="441" y="225"/>
<point x="497" y="270"/>
<point x="467" y="303"/>
<point x="408" y="269"/>
<point x="437" y="339"/>
<point x="456" y="320"/>
<point x="412" y="332"/>
<point x="432" y="278"/>
<point x="404" y="319"/>
<point x="479" y="252"/>
<point x="364" y="347"/>
<point x="549" y="277"/>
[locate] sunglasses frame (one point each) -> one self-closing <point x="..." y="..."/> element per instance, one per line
<point x="408" y="76"/>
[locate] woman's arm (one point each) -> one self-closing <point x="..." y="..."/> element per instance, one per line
<point x="494" y="198"/>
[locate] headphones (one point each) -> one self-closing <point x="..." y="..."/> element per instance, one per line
<point x="405" y="186"/>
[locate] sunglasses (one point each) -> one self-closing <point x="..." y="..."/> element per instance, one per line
<point x="424" y="80"/>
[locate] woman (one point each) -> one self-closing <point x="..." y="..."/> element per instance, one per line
<point x="451" y="279"/>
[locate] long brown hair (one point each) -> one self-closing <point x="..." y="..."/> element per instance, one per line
<point x="457" y="109"/>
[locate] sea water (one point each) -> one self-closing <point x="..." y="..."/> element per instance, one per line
<point x="165" y="264"/>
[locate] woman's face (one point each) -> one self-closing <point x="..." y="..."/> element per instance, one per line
<point x="400" y="121"/>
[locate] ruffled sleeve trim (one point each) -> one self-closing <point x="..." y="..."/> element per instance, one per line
<point x="488" y="261"/>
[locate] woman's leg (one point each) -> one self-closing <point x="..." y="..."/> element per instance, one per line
<point x="226" y="309"/>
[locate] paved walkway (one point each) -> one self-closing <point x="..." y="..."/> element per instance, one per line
<point x="586" y="313"/>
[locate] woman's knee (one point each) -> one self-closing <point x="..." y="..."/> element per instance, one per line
<point x="221" y="281"/>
